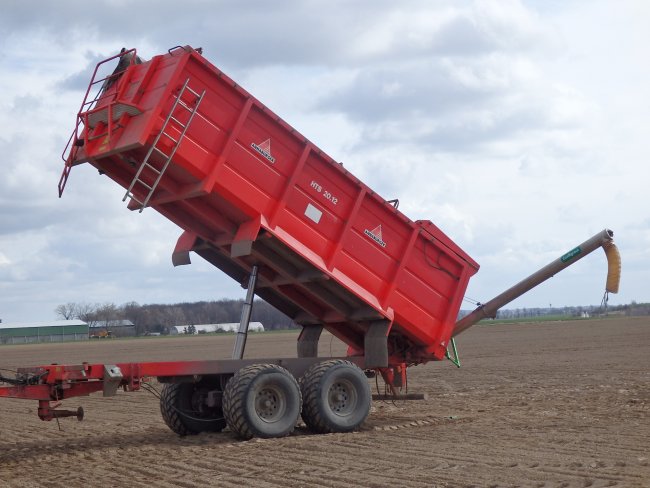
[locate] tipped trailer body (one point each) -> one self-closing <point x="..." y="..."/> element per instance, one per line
<point x="262" y="203"/>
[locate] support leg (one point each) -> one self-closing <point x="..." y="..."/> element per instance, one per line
<point x="247" y="309"/>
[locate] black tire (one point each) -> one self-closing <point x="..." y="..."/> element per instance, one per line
<point x="336" y="397"/>
<point x="183" y="409"/>
<point x="262" y="400"/>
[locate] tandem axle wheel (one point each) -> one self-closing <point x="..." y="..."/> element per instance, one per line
<point x="266" y="400"/>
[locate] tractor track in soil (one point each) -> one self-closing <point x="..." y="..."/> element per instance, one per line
<point x="547" y="405"/>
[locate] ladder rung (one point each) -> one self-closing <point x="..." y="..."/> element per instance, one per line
<point x="144" y="184"/>
<point x="160" y="151"/>
<point x="197" y="95"/>
<point x="168" y="136"/>
<point x="153" y="168"/>
<point x="132" y="197"/>
<point x="185" y="106"/>
<point x="177" y="121"/>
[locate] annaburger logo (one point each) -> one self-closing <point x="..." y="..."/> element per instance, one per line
<point x="264" y="148"/>
<point x="375" y="235"/>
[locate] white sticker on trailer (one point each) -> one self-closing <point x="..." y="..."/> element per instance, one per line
<point x="313" y="213"/>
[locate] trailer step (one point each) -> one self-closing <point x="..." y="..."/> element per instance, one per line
<point x="116" y="109"/>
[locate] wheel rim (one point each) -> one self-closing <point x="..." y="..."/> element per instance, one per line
<point x="270" y="403"/>
<point x="342" y="398"/>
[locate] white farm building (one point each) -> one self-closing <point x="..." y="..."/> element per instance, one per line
<point x="53" y="331"/>
<point x="209" y="328"/>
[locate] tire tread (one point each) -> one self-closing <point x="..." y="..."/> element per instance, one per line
<point x="235" y="396"/>
<point x="310" y="386"/>
<point x="168" y="400"/>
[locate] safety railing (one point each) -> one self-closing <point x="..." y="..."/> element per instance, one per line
<point x="99" y="89"/>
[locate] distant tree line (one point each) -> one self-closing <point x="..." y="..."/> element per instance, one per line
<point x="632" y="309"/>
<point x="159" y="318"/>
<point x="521" y="313"/>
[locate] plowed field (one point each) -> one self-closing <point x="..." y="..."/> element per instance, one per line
<point x="554" y="404"/>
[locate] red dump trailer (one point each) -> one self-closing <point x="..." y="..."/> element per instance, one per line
<point x="262" y="203"/>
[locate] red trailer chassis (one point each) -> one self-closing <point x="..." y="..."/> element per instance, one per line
<point x="262" y="203"/>
<point x="51" y="384"/>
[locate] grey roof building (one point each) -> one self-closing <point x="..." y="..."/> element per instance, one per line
<point x="52" y="331"/>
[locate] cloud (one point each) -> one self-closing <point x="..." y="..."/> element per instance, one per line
<point x="519" y="128"/>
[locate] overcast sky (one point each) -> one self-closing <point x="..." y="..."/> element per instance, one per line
<point x="521" y="128"/>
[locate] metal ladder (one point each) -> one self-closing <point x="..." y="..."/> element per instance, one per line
<point x="171" y="117"/>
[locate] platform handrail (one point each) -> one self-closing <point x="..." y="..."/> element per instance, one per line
<point x="72" y="145"/>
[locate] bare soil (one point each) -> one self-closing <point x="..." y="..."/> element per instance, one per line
<point x="552" y="404"/>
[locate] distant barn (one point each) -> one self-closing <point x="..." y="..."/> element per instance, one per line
<point x="209" y="328"/>
<point x="54" y="331"/>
